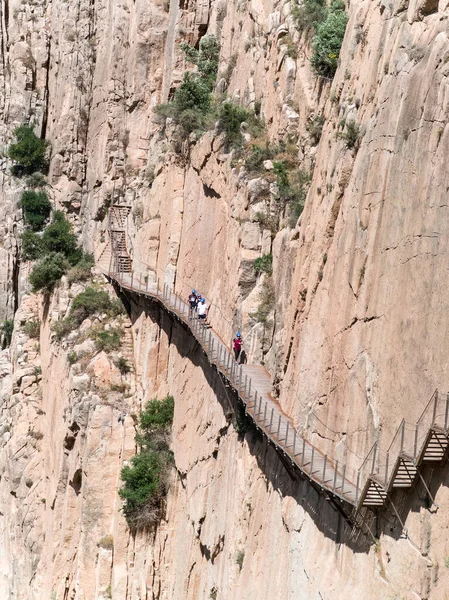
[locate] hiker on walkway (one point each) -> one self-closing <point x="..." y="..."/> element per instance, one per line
<point x="237" y="345"/>
<point x="202" y="309"/>
<point x="192" y="302"/>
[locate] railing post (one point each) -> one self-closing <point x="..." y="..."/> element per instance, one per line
<point x="402" y="435"/>
<point x="311" y="463"/>
<point x="374" y="459"/>
<point x="255" y="404"/>
<point x="209" y="341"/>
<point x="286" y="435"/>
<point x="324" y="468"/>
<point x="343" y="482"/>
<point x="294" y="443"/>
<point x="446" y="413"/>
<point x="246" y="383"/>
<point x="435" y="407"/>
<point x="303" y="450"/>
<point x="271" y="418"/>
<point x="260" y="406"/>
<point x="249" y="392"/>
<point x="335" y="474"/>
<point x="357" y="489"/>
<point x="132" y="277"/>
<point x="279" y="427"/>
<point x="265" y="414"/>
<point x="415" y="446"/>
<point x="386" y="468"/>
<point x="240" y="380"/>
<point x="212" y="351"/>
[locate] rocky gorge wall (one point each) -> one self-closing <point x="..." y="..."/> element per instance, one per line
<point x="355" y="343"/>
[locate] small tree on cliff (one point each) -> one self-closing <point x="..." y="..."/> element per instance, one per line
<point x="146" y="479"/>
<point x="28" y="151"/>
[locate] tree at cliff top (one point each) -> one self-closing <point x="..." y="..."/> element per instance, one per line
<point x="145" y="480"/>
<point x="28" y="152"/>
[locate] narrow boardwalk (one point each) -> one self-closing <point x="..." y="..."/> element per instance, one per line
<point x="253" y="385"/>
<point x="372" y="485"/>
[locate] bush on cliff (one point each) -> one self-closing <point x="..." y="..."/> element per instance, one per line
<point x="6" y="333"/>
<point x="328" y="40"/>
<point x="31" y="245"/>
<point x="146" y="478"/>
<point x="230" y="119"/>
<point x="48" y="271"/>
<point x="36" y="209"/>
<point x="28" y="151"/>
<point x="59" y="237"/>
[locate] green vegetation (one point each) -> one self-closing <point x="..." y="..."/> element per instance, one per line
<point x="106" y="542"/>
<point x="264" y="264"/>
<point x="328" y="25"/>
<point x="82" y="270"/>
<point x="239" y="557"/>
<point x="60" y="251"/>
<point x="267" y="302"/>
<point x="48" y="271"/>
<point x="328" y="40"/>
<point x="230" y="119"/>
<point x="123" y="365"/>
<point x="293" y="186"/>
<point x="59" y="237"/>
<point x="310" y="14"/>
<point x="72" y="357"/>
<point x="36" y="209"/>
<point x="351" y="135"/>
<point x="6" y="332"/>
<point x="314" y="128"/>
<point x="86" y="304"/>
<point x="108" y="339"/>
<point x="145" y="480"/>
<point x="28" y="152"/>
<point x="192" y="101"/>
<point x="31" y="245"/>
<point x="32" y="328"/>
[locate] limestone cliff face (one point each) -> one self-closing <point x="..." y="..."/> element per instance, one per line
<point x="355" y="343"/>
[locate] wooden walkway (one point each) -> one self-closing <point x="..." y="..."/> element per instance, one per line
<point x="371" y="485"/>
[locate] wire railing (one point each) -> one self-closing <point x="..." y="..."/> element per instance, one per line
<point x="253" y="386"/>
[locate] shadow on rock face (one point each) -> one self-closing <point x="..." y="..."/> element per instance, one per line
<point x="330" y="515"/>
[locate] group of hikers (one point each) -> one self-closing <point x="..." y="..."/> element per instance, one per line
<point x="199" y="307"/>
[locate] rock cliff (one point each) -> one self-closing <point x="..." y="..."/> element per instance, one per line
<point x="355" y="326"/>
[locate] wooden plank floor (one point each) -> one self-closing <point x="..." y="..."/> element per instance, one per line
<point x="253" y="384"/>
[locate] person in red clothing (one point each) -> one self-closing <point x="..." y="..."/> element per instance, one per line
<point x="237" y="345"/>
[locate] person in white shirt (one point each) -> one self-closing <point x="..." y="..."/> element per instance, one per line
<point x="202" y="309"/>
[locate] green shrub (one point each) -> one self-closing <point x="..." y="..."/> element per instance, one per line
<point x="192" y="94"/>
<point x="59" y="237"/>
<point x="48" y="271"/>
<point x="267" y="302"/>
<point x="310" y="14"/>
<point x="145" y="480"/>
<point x="264" y="264"/>
<point x="89" y="302"/>
<point x="64" y="327"/>
<point x="257" y="156"/>
<point x="36" y="209"/>
<point x="116" y="308"/>
<point x="72" y="357"/>
<point x="106" y="542"/>
<point x="82" y="270"/>
<point x="36" y="180"/>
<point x="123" y="365"/>
<point x="314" y="128"/>
<point x="108" y="339"/>
<point x="328" y="40"/>
<point x="28" y="152"/>
<point x="230" y="118"/>
<point x="32" y="245"/>
<point x="239" y="557"/>
<point x="206" y="58"/>
<point x="351" y="135"/>
<point x="157" y="414"/>
<point x="32" y="328"/>
<point x="6" y="332"/>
